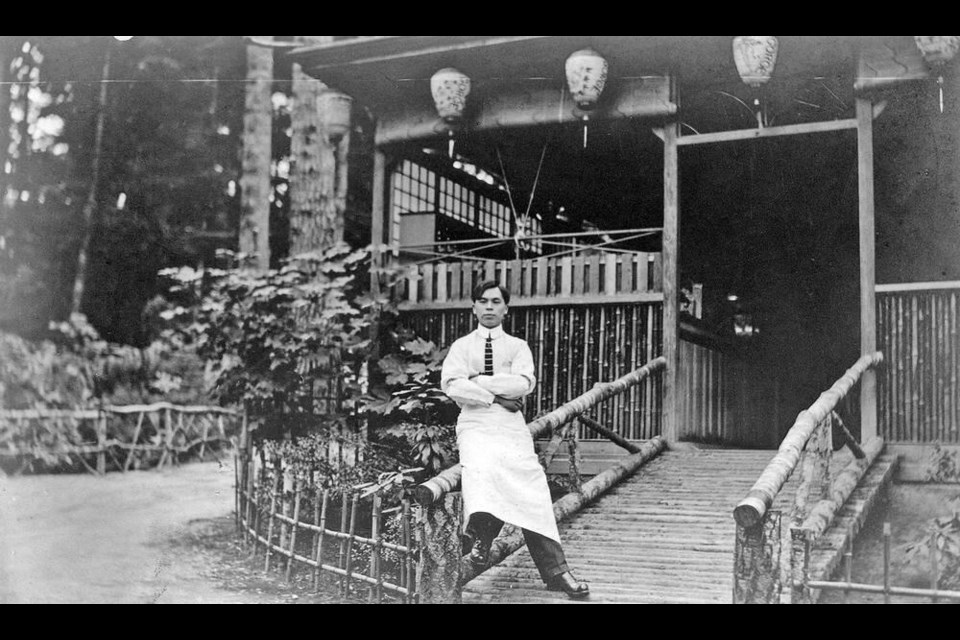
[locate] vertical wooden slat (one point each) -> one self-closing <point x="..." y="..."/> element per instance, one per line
<point x="543" y="268"/>
<point x="515" y="283"/>
<point x="413" y="288"/>
<point x="428" y="292"/>
<point x="441" y="275"/>
<point x="526" y="286"/>
<point x="566" y="276"/>
<point x="344" y="521"/>
<point x="456" y="281"/>
<point x="595" y="278"/>
<point x="490" y="270"/>
<point x="610" y="274"/>
<point x="627" y="283"/>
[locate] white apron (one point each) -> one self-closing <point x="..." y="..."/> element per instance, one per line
<point x="502" y="475"/>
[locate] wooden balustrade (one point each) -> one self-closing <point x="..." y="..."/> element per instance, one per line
<point x="601" y="278"/>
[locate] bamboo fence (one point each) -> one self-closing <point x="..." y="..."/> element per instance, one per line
<point x="919" y="390"/>
<point x="299" y="527"/>
<point x="115" y="438"/>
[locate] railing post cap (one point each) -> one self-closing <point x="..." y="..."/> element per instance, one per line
<point x="750" y="512"/>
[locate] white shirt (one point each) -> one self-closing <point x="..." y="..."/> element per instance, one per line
<point x="462" y="376"/>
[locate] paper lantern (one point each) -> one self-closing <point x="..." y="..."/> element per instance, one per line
<point x="336" y="114"/>
<point x="450" y="90"/>
<point x="587" y="74"/>
<point x="938" y="51"/>
<point x="586" y="77"/>
<point x="756" y="58"/>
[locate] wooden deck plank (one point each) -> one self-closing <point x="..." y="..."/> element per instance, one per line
<point x="664" y="536"/>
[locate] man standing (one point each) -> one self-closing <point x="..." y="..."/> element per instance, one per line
<point x="488" y="373"/>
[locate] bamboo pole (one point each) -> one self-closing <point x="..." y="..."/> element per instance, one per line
<point x="297" y="484"/>
<point x="344" y="520"/>
<point x="611" y="435"/>
<point x="434" y="489"/>
<point x="350" y="540"/>
<point x="750" y="511"/>
<point x="320" y="535"/>
<point x="376" y="556"/>
<point x="277" y="471"/>
<point x="409" y="573"/>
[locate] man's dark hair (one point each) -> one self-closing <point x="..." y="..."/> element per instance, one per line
<point x="483" y="287"/>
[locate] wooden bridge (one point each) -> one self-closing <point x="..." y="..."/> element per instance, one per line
<point x="666" y="535"/>
<point x="686" y="525"/>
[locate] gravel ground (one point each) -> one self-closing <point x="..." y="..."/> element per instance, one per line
<point x="143" y="537"/>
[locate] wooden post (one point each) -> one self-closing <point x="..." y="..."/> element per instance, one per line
<point x="671" y="275"/>
<point x="378" y="215"/>
<point x="102" y="443"/>
<point x="438" y="529"/>
<point x="756" y="562"/>
<point x="868" y="266"/>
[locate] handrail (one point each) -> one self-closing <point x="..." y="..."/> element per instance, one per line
<point x="754" y="507"/>
<point x="433" y="490"/>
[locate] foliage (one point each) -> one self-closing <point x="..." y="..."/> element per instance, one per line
<point x="944" y="533"/>
<point x="277" y="338"/>
<point x="412" y="403"/>
<point x="944" y="465"/>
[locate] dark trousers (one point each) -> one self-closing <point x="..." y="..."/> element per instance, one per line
<point x="547" y="554"/>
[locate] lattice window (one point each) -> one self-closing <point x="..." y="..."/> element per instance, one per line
<point x="414" y="191"/>
<point x="494" y="217"/>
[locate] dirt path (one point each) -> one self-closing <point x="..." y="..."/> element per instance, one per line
<point x="151" y="537"/>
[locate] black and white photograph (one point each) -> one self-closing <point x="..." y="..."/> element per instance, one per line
<point x="471" y="320"/>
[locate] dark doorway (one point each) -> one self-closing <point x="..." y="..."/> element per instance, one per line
<point x="770" y="228"/>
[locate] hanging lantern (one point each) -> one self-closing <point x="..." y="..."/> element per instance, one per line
<point x="336" y="114"/>
<point x="587" y="74"/>
<point x="450" y="89"/>
<point x="938" y="51"/>
<point x="756" y="59"/>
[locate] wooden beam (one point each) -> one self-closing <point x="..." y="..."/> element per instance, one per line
<point x="769" y="132"/>
<point x="671" y="275"/>
<point x="868" y="268"/>
<point x="917" y="286"/>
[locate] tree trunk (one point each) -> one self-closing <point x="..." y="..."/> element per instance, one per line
<point x="257" y="156"/>
<point x="316" y="213"/>
<point x="6" y="57"/>
<point x="91" y="206"/>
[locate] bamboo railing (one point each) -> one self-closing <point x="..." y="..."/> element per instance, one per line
<point x="116" y="438"/>
<point x="808" y="447"/>
<point x="601" y="278"/>
<point x="288" y="517"/>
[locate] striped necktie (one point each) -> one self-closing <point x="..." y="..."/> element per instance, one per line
<point x="488" y="357"/>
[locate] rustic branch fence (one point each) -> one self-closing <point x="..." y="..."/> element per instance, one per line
<point x="285" y="514"/>
<point x="115" y="438"/>
<point x="760" y="566"/>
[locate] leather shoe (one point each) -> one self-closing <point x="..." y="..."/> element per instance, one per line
<point x="480" y="554"/>
<point x="569" y="585"/>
